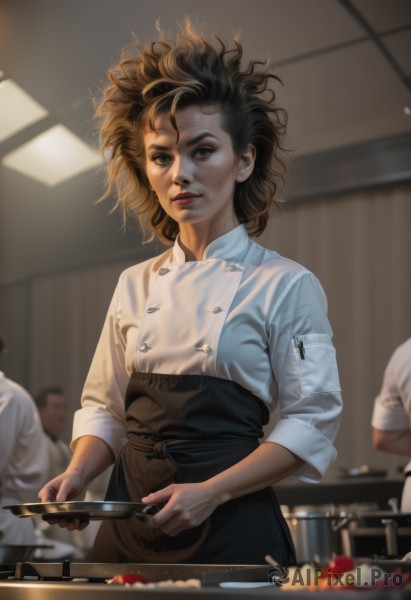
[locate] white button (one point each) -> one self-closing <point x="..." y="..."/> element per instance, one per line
<point x="216" y="310"/>
<point x="152" y="309"/>
<point x="163" y="271"/>
<point x="231" y="268"/>
<point x="206" y="349"/>
<point x="144" y="347"/>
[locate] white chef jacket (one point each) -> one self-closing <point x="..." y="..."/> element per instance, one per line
<point x="392" y="406"/>
<point x="243" y="313"/>
<point x="24" y="462"/>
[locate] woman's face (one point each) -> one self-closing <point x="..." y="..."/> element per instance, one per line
<point x="195" y="175"/>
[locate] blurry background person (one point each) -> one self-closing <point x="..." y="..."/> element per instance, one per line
<point x="24" y="461"/>
<point x="391" y="421"/>
<point x="52" y="405"/>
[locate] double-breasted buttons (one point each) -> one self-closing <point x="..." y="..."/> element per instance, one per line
<point x="163" y="271"/>
<point x="144" y="347"/>
<point x="230" y="268"/>
<point x="206" y="349"/>
<point x="216" y="310"/>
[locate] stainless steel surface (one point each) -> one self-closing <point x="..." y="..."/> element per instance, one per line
<point x="81" y="591"/>
<point x="10" y="554"/>
<point x="374" y="518"/>
<point x="362" y="471"/>
<point x="210" y="575"/>
<point x="97" y="510"/>
<point x="390" y="527"/>
<point x="382" y="533"/>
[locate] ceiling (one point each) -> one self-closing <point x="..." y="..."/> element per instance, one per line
<point x="342" y="86"/>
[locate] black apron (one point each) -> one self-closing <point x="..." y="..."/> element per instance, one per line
<point x="186" y="429"/>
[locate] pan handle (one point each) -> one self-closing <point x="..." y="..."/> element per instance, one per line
<point x="337" y="526"/>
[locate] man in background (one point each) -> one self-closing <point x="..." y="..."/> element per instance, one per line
<point x="391" y="421"/>
<point x="53" y="409"/>
<point x="52" y="406"/>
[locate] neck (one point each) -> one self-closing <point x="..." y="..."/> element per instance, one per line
<point x="194" y="240"/>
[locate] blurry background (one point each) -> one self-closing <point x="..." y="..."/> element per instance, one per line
<point x="346" y="70"/>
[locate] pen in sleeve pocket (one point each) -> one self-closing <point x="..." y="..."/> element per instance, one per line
<point x="299" y="344"/>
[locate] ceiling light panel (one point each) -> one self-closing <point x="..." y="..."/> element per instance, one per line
<point x="53" y="156"/>
<point x="17" y="108"/>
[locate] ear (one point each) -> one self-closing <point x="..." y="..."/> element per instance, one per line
<point x="245" y="164"/>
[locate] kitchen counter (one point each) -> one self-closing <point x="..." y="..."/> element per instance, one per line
<point x="27" y="586"/>
<point x="341" y="491"/>
<point x="90" y="591"/>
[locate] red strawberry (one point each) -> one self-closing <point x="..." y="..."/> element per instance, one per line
<point x="128" y="579"/>
<point x="340" y="564"/>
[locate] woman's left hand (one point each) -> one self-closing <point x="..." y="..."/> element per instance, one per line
<point x="187" y="505"/>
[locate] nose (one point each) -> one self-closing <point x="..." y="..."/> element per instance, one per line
<point x="182" y="172"/>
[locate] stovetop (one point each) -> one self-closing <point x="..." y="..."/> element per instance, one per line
<point x="100" y="572"/>
<point x="88" y="581"/>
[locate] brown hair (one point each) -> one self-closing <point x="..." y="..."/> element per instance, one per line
<point x="41" y="397"/>
<point x="168" y="75"/>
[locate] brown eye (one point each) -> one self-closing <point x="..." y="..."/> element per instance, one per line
<point x="161" y="159"/>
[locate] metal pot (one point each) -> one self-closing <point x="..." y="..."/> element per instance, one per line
<point x="316" y="536"/>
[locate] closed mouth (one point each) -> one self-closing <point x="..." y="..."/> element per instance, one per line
<point x="184" y="196"/>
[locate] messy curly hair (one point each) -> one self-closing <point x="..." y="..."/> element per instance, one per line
<point x="168" y="75"/>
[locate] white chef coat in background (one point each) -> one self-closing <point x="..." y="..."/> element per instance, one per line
<point x="24" y="461"/>
<point x="392" y="406"/>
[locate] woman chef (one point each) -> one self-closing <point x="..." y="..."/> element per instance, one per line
<point x="201" y="342"/>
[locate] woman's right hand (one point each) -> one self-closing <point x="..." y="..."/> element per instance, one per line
<point x="91" y="457"/>
<point x="67" y="486"/>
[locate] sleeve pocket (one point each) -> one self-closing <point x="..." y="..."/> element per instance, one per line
<point x="315" y="363"/>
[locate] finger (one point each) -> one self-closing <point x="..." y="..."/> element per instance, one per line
<point x="61" y="495"/>
<point x="77" y="524"/>
<point x="160" y="519"/>
<point x="66" y="491"/>
<point x="47" y="494"/>
<point x="62" y="523"/>
<point x="158" y="497"/>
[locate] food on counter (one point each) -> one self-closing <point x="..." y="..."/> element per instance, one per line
<point x="136" y="580"/>
<point x="128" y="579"/>
<point x="304" y="577"/>
<point x="174" y="583"/>
<point x="340" y="564"/>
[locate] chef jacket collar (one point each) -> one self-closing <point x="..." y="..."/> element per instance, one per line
<point x="226" y="247"/>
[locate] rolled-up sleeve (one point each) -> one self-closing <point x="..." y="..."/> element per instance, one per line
<point x="304" y="364"/>
<point x="392" y="406"/>
<point x="103" y="413"/>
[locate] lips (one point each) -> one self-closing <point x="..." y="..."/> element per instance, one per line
<point x="184" y="198"/>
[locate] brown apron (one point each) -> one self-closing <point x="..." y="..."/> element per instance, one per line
<point x="186" y="429"/>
